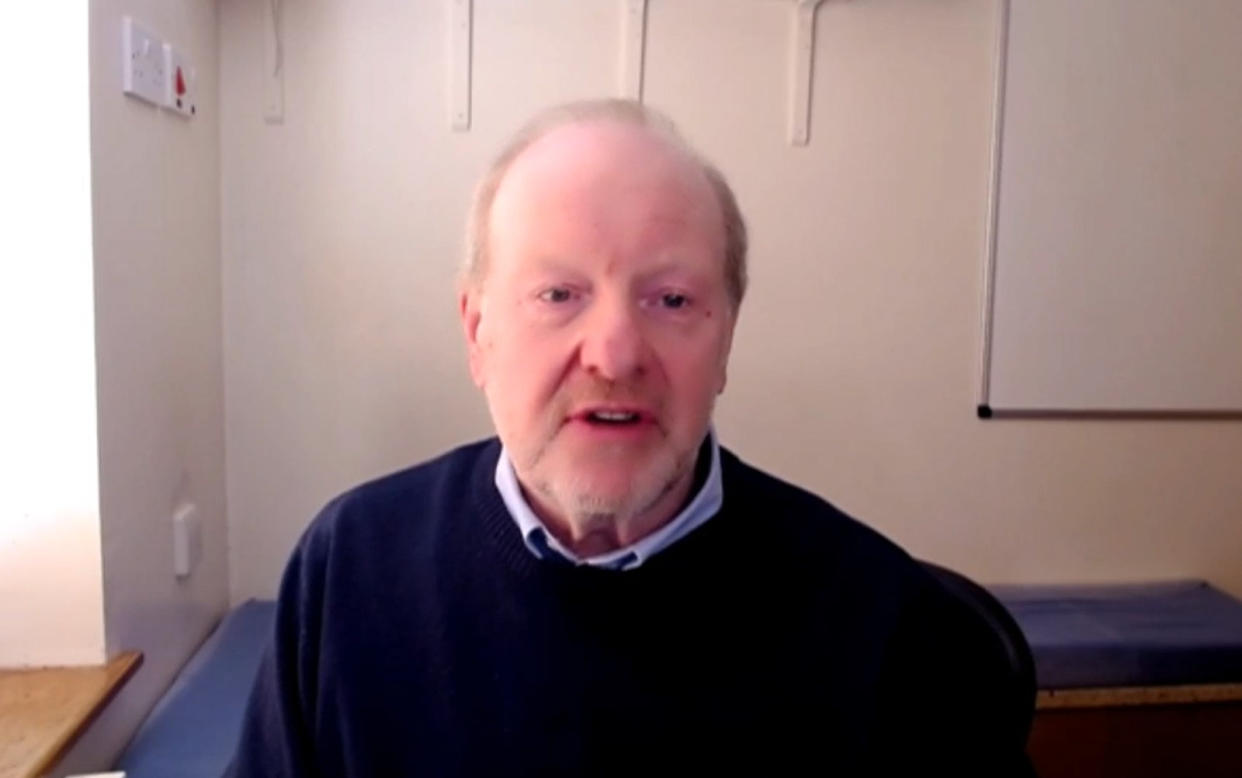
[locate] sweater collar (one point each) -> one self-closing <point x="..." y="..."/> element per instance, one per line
<point x="543" y="544"/>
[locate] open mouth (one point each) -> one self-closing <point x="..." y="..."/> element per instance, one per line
<point x="614" y="418"/>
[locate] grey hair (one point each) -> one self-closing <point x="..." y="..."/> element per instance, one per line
<point x="617" y="110"/>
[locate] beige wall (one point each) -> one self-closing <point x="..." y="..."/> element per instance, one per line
<point x="157" y="300"/>
<point x="856" y="364"/>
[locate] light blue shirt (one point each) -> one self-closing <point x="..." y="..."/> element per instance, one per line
<point x="543" y="543"/>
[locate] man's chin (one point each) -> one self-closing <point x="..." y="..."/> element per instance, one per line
<point x="604" y="485"/>
<point x="609" y="480"/>
<point x="620" y="499"/>
<point x="595" y="497"/>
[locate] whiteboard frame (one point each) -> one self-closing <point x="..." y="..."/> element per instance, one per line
<point x="984" y="409"/>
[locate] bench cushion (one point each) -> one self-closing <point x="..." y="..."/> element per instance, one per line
<point x="193" y="729"/>
<point x="1181" y="632"/>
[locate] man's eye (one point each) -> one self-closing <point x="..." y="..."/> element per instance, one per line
<point x="557" y="294"/>
<point x="674" y="301"/>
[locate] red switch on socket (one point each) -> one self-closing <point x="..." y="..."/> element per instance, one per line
<point x="180" y="83"/>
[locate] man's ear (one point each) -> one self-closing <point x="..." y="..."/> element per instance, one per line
<point x="470" y="308"/>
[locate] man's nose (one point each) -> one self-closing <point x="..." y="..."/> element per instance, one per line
<point x="613" y="345"/>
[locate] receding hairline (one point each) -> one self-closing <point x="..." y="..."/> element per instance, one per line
<point x="626" y="113"/>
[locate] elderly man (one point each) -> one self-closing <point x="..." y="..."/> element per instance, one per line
<point x="602" y="588"/>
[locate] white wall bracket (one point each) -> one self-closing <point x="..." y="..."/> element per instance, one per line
<point x="633" y="47"/>
<point x="273" y="64"/>
<point x="633" y="60"/>
<point x="802" y="64"/>
<point x="461" y="24"/>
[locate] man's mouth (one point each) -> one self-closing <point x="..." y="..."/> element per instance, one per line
<point x="612" y="417"/>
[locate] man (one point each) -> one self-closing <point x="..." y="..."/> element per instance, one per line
<point x="604" y="589"/>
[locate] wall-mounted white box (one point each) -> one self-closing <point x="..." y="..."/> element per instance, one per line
<point x="187" y="540"/>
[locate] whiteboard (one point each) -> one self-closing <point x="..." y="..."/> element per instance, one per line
<point x="1114" y="273"/>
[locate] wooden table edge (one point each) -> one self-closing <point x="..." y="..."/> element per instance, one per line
<point x="116" y="672"/>
<point x="1130" y="696"/>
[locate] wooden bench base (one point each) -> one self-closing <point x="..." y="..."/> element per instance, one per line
<point x="1139" y="732"/>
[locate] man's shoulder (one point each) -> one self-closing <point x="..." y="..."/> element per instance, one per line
<point x="457" y="465"/>
<point x="415" y="492"/>
<point x="801" y="518"/>
<point x="937" y="639"/>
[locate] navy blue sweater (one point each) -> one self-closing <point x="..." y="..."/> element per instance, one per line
<point x="417" y="635"/>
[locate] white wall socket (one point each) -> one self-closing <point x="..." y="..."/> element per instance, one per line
<point x="143" y="70"/>
<point x="179" y="87"/>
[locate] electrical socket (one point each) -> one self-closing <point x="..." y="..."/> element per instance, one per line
<point x="143" y="69"/>
<point x="180" y="93"/>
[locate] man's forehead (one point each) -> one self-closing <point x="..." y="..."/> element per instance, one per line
<point x="590" y="176"/>
<point x="601" y="153"/>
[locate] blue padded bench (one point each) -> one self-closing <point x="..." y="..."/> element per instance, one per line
<point x="1182" y="632"/>
<point x="1139" y="680"/>
<point x="193" y="729"/>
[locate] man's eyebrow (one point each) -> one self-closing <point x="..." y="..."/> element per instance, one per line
<point x="548" y="261"/>
<point x="548" y="264"/>
<point x="668" y="267"/>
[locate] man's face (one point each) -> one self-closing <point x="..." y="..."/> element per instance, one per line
<point x="601" y="329"/>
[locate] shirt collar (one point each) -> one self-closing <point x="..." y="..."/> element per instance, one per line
<point x="544" y="545"/>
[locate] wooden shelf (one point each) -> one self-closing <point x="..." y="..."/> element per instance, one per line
<point x="43" y="710"/>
